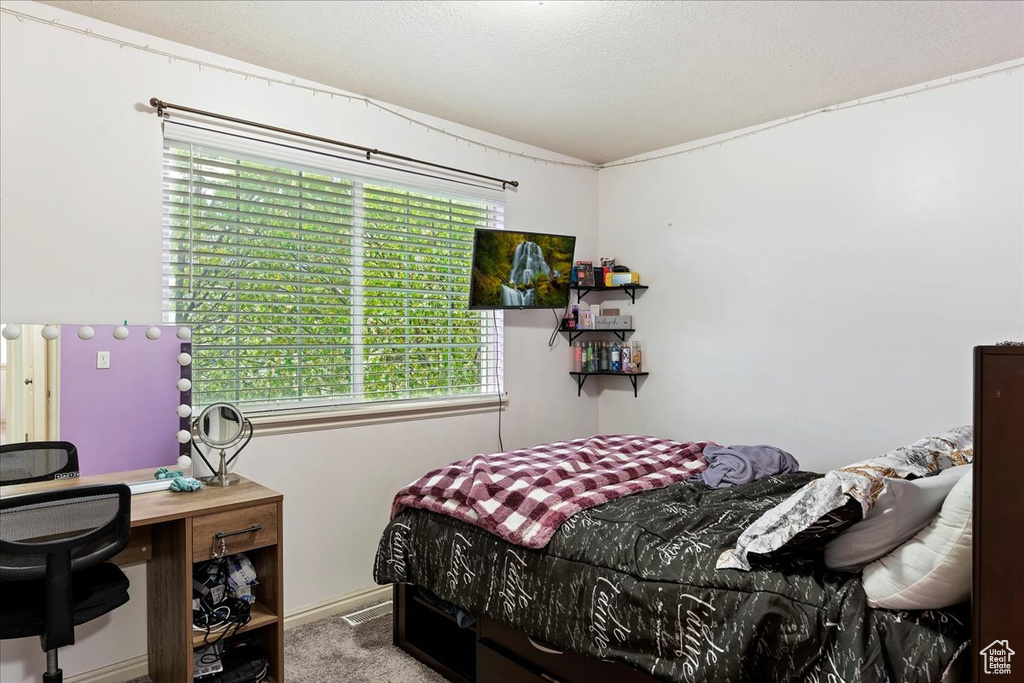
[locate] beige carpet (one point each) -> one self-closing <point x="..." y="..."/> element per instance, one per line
<point x="330" y="650"/>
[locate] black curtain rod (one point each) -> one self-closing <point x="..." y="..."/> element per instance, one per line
<point x="162" y="106"/>
<point x="324" y="153"/>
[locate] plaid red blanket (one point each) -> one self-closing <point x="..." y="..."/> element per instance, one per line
<point x="523" y="496"/>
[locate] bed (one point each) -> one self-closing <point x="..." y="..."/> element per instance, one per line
<point x="628" y="591"/>
<point x="633" y="582"/>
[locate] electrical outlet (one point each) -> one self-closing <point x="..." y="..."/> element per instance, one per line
<point x="103" y="360"/>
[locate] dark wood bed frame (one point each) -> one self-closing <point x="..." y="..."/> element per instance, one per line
<point x="490" y="652"/>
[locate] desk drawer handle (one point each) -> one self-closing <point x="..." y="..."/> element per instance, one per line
<point x="216" y="553"/>
<point x="225" y="534"/>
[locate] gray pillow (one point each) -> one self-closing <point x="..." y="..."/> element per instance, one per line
<point x="903" y="508"/>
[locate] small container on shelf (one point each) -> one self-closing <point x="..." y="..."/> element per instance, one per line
<point x="637" y="358"/>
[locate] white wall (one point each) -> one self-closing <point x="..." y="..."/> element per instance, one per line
<point x="820" y="286"/>
<point x="80" y="241"/>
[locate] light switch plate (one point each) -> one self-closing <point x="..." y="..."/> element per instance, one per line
<point x="103" y="360"/>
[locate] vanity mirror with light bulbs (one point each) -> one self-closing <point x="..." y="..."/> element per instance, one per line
<point x="120" y="393"/>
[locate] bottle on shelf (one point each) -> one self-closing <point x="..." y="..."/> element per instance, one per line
<point x="616" y="359"/>
<point x="604" y="356"/>
<point x="577" y="357"/>
<point x="637" y="358"/>
<point x="626" y="357"/>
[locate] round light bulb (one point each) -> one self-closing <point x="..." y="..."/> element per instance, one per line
<point x="184" y="333"/>
<point x="86" y="333"/>
<point x="121" y="332"/>
<point x="184" y="410"/>
<point x="184" y="436"/>
<point x="184" y="359"/>
<point x="11" y="332"/>
<point x="184" y="462"/>
<point x="153" y="333"/>
<point x="50" y="332"/>
<point x="184" y="384"/>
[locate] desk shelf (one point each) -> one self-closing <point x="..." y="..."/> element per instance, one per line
<point x="261" y="616"/>
<point x="259" y="526"/>
<point x="581" y="377"/>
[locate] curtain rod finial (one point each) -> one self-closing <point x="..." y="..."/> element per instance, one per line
<point x="154" y="102"/>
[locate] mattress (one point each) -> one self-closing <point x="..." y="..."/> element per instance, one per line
<point x="634" y="581"/>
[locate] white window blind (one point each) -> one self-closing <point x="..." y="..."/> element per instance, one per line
<point x="306" y="287"/>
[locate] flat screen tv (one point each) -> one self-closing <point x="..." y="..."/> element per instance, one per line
<point x="520" y="270"/>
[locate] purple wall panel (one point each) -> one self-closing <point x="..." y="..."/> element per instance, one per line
<point x="121" y="418"/>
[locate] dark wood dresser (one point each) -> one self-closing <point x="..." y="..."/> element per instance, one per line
<point x="998" y="599"/>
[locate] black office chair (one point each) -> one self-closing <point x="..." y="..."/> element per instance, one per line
<point x="52" y="571"/>
<point x="22" y="463"/>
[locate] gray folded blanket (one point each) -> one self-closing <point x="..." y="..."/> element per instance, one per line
<point x="734" y="465"/>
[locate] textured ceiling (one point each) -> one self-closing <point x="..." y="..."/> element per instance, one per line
<point x="595" y="80"/>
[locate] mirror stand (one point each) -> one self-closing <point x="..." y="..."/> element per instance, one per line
<point x="221" y="426"/>
<point x="223" y="477"/>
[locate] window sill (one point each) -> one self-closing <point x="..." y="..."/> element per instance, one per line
<point x="293" y="421"/>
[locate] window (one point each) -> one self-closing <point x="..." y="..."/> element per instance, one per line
<point x="306" y="287"/>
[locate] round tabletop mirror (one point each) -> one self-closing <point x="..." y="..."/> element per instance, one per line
<point x="220" y="425"/>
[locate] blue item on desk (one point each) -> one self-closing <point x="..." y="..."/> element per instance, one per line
<point x="185" y="484"/>
<point x="164" y="473"/>
<point x="179" y="482"/>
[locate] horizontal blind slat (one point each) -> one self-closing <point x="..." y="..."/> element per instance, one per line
<point x="178" y="246"/>
<point x="332" y="193"/>
<point x="247" y="220"/>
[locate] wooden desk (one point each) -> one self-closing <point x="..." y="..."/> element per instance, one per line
<point x="173" y="531"/>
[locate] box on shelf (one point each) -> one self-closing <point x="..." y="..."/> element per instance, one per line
<point x="584" y="273"/>
<point x="625" y="279"/>
<point x="613" y="322"/>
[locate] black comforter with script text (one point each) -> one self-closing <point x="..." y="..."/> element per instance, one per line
<point x="634" y="580"/>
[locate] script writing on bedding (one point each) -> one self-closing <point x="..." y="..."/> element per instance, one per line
<point x="523" y="496"/>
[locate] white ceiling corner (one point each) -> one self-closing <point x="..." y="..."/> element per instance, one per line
<point x="598" y="81"/>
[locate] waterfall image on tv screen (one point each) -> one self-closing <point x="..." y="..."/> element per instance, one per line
<point x="521" y="269"/>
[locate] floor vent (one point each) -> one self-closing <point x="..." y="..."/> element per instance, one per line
<point x="364" y="615"/>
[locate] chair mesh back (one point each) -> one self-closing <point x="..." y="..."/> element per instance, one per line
<point x="58" y="521"/>
<point x="38" y="461"/>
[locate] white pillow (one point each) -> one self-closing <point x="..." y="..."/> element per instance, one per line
<point x="903" y="509"/>
<point x="933" y="569"/>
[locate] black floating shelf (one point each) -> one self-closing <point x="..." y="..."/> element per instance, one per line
<point x="630" y="290"/>
<point x="581" y="377"/>
<point x="576" y="334"/>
